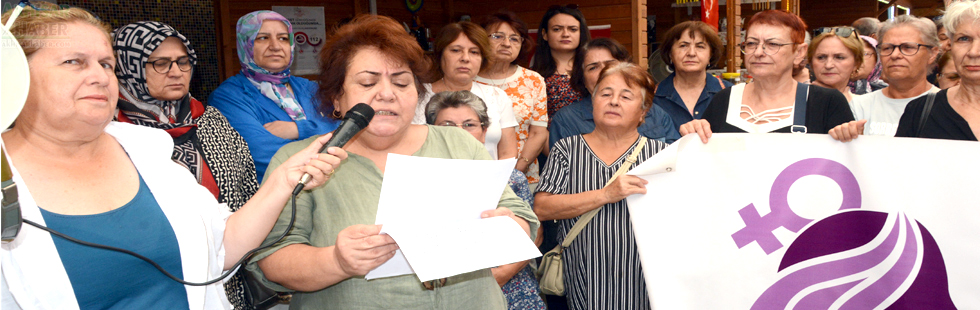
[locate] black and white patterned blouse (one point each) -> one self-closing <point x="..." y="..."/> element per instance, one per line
<point x="602" y="265"/>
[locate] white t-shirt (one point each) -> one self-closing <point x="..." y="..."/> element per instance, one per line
<point x="499" y="108"/>
<point x="882" y="113"/>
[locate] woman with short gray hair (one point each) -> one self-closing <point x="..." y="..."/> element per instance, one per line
<point x="908" y="48"/>
<point x="456" y="99"/>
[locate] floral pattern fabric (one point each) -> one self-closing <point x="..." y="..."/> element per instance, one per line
<point x="526" y="90"/>
<point x="560" y="92"/>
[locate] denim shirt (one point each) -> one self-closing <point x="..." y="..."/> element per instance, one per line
<point x="577" y="119"/>
<point x="668" y="99"/>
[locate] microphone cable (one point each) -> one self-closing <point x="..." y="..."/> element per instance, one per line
<point x="246" y="257"/>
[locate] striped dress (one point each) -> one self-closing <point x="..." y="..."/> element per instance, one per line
<point x="602" y="265"/>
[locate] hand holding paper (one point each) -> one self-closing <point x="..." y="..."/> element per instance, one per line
<point x="445" y="227"/>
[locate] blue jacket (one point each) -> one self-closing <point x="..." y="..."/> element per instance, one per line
<point x="576" y="119"/>
<point x="248" y="110"/>
<point x="668" y="99"/>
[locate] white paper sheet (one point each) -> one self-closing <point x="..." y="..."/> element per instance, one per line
<point x="432" y="206"/>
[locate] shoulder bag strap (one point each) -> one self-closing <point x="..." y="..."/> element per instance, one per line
<point x="587" y="217"/>
<point x="926" y="110"/>
<point x="799" y="109"/>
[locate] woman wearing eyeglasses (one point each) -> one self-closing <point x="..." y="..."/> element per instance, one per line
<point x="461" y="50"/>
<point x="836" y="55"/>
<point x="773" y="43"/>
<point x="154" y="64"/>
<point x="948" y="77"/>
<point x="908" y="47"/>
<point x="265" y="103"/>
<point x="511" y="44"/>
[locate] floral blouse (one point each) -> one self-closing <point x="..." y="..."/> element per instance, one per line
<point x="526" y="90"/>
<point x="560" y="92"/>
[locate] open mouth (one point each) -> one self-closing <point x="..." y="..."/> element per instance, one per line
<point x="385" y="113"/>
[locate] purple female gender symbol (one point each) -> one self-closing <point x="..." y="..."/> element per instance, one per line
<point x="759" y="228"/>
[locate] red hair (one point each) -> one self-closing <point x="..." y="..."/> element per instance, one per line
<point x="780" y="18"/>
<point x="365" y="31"/>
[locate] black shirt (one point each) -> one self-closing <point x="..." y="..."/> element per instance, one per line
<point x="943" y="121"/>
<point x="825" y="109"/>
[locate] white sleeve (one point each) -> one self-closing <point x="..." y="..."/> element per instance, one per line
<point x="507" y="118"/>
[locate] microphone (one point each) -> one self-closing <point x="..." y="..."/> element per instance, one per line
<point x="354" y="121"/>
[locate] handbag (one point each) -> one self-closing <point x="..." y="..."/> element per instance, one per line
<point x="257" y="295"/>
<point x="551" y="273"/>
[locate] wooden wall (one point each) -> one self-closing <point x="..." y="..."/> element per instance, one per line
<point x="434" y="14"/>
<point x="616" y="13"/>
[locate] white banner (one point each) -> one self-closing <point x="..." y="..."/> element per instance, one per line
<point x="309" y="33"/>
<point x="787" y="221"/>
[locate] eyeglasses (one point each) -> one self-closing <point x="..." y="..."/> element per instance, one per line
<point x="465" y="125"/>
<point x="842" y="32"/>
<point x="952" y="76"/>
<point x="163" y="65"/>
<point x="769" y="48"/>
<point x="907" y="48"/>
<point x="499" y="36"/>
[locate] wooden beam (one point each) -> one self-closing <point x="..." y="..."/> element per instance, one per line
<point x="734" y="34"/>
<point x="639" y="32"/>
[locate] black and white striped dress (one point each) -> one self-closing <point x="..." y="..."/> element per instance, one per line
<point x="602" y="265"/>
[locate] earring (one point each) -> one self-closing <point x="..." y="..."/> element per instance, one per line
<point x="669" y="69"/>
<point x="336" y="114"/>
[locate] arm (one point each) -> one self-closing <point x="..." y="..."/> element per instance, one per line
<point x="838" y="111"/>
<point x="250" y="225"/>
<point x="316" y="123"/>
<point x="536" y="138"/>
<point x="556" y="207"/>
<point x="243" y="115"/>
<point x="507" y="146"/>
<point x="504" y="273"/>
<point x="301" y="267"/>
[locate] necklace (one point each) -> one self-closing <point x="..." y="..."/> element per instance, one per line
<point x="446" y="85"/>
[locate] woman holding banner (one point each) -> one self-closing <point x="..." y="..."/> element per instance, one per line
<point x="955" y="112"/>
<point x="582" y="176"/>
<point x="773" y="43"/>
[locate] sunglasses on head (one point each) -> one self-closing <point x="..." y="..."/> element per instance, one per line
<point x="842" y="32"/>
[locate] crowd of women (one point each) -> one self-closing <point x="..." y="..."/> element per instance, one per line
<point x="109" y="131"/>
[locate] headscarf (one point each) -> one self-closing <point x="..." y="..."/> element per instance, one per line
<point x="272" y="85"/>
<point x="133" y="44"/>
<point x="873" y="81"/>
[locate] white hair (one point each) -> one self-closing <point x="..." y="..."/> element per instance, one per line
<point x="926" y="28"/>
<point x="958" y="12"/>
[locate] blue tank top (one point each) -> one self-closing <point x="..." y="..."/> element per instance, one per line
<point x="104" y="279"/>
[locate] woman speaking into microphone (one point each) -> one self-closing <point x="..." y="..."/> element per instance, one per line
<point x="333" y="243"/>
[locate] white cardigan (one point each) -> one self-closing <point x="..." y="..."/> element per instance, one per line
<point x="33" y="276"/>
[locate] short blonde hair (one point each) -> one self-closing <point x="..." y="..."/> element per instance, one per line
<point x="852" y="43"/>
<point x="34" y="26"/>
<point x="634" y="76"/>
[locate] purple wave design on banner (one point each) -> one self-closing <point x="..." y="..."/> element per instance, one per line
<point x="851" y="229"/>
<point x="778" y="295"/>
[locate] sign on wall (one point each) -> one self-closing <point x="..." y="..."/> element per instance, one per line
<point x="788" y="221"/>
<point x="309" y="31"/>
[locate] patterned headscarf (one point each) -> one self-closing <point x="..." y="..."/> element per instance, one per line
<point x="271" y="84"/>
<point x="133" y="44"/>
